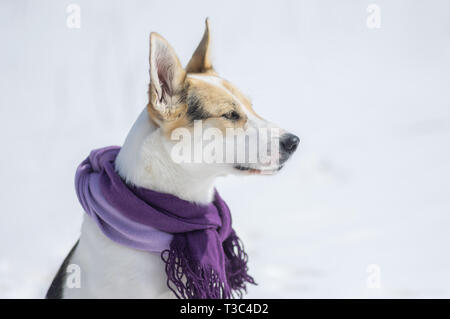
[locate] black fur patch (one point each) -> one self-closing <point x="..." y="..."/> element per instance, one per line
<point x="195" y="109"/>
<point x="56" y="288"/>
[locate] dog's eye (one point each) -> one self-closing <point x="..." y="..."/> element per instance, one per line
<point x="232" y="116"/>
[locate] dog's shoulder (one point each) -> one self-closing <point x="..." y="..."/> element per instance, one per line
<point x="57" y="287"/>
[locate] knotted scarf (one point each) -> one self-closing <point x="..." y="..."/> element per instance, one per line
<point x="203" y="256"/>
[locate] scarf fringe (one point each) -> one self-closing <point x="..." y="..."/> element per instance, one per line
<point x="236" y="265"/>
<point x="189" y="280"/>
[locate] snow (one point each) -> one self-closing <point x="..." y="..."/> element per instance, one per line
<point x="369" y="185"/>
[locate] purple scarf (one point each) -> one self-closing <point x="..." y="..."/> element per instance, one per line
<point x="204" y="257"/>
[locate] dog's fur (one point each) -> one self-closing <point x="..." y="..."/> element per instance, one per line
<point x="177" y="97"/>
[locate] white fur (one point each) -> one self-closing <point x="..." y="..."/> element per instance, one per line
<point x="145" y="161"/>
<point x="110" y="270"/>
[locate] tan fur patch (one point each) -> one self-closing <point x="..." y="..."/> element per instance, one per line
<point x="244" y="100"/>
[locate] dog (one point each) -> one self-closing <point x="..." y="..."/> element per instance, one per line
<point x="178" y="97"/>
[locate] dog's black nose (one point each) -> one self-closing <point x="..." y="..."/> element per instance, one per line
<point x="289" y="143"/>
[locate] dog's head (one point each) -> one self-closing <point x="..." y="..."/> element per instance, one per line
<point x="206" y="120"/>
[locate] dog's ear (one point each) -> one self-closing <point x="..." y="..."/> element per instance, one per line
<point x="167" y="79"/>
<point x="201" y="60"/>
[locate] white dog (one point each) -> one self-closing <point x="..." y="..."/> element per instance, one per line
<point x="177" y="97"/>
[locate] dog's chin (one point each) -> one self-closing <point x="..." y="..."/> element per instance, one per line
<point x="249" y="170"/>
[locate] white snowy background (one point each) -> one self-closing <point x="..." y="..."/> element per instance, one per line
<point x="370" y="184"/>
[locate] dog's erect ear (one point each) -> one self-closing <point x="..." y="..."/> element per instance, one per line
<point x="201" y="60"/>
<point x="167" y="78"/>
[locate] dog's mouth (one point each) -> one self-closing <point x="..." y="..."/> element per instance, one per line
<point x="257" y="171"/>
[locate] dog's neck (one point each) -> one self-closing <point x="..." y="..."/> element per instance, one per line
<point x="144" y="162"/>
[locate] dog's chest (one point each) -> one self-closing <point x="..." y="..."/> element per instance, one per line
<point x="109" y="270"/>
